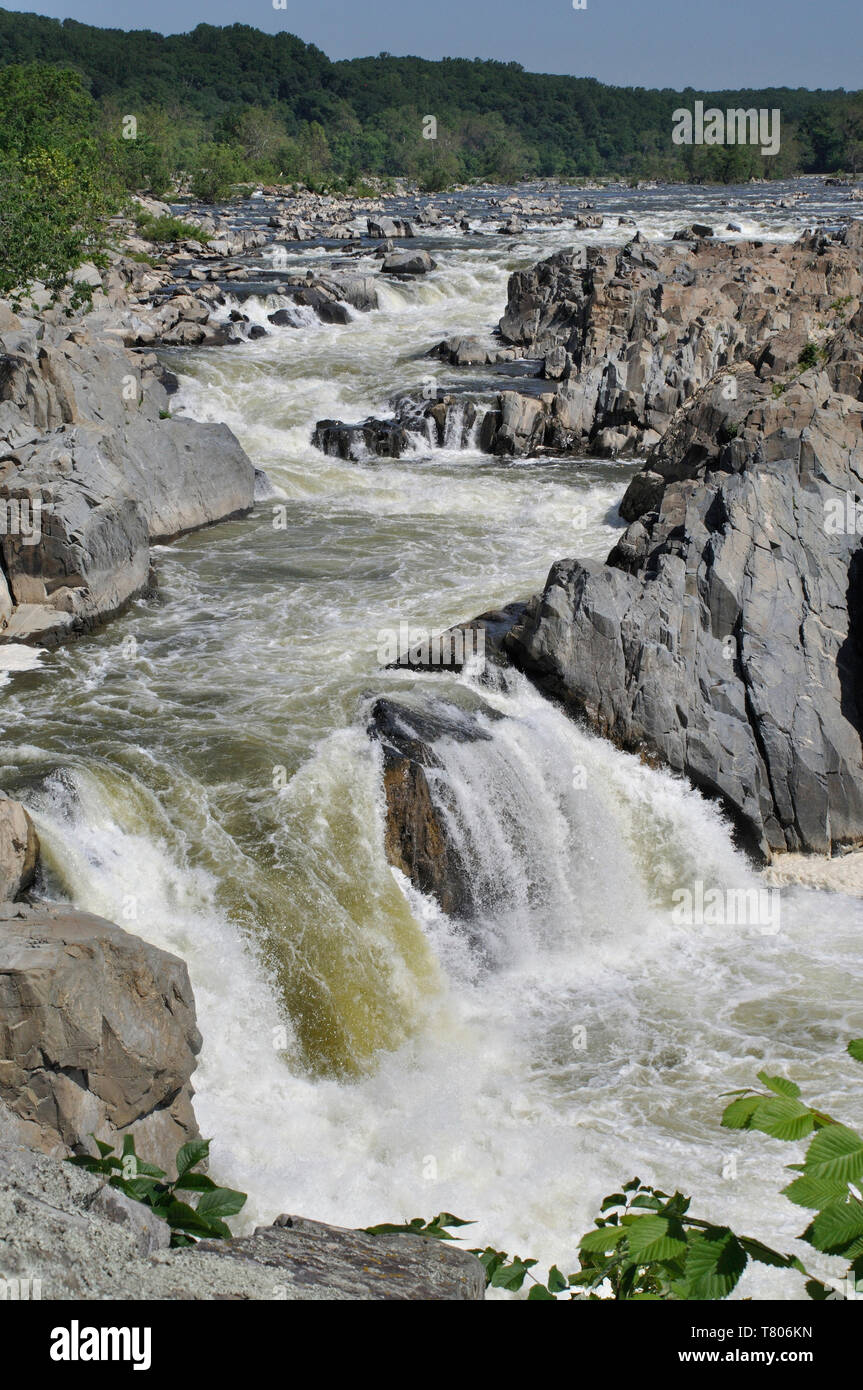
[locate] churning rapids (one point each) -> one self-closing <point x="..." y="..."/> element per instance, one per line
<point x="199" y="771"/>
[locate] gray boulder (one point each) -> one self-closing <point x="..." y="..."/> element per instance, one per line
<point x="97" y="1035"/>
<point x="408" y="263"/>
<point x="88" y="449"/>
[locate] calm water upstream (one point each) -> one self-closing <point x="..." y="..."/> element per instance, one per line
<point x="199" y="771"/>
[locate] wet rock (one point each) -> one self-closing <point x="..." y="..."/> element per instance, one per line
<point x="408" y="263"/>
<point x="389" y="227"/>
<point x="418" y="839"/>
<point x="371" y="438"/>
<point x="693" y="232"/>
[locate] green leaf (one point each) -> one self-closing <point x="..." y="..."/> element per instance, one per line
<point x="836" y="1227"/>
<point x="780" y="1085"/>
<point x="836" y="1152"/>
<point x="182" y="1217"/>
<point x="765" y="1256"/>
<point x="540" y="1292"/>
<point x="194" y="1182"/>
<point x="714" y="1263"/>
<point x="191" y="1154"/>
<point x="783" y="1118"/>
<point x="221" y="1201"/>
<point x="556" y="1281"/>
<point x="513" y="1275"/>
<point x="601" y="1241"/>
<point x="650" y="1239"/>
<point x="815" y="1192"/>
<point x="738" y="1114"/>
<point x="855" y="1049"/>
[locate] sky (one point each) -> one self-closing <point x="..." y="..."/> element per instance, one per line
<point x="646" y="43"/>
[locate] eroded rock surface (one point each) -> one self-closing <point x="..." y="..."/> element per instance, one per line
<point x="723" y="635"/>
<point x="97" y="1035"/>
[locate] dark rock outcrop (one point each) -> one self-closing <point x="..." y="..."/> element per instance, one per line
<point x="418" y="840"/>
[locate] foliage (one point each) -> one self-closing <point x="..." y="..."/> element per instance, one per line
<point x="55" y="192"/>
<point x="808" y="356"/>
<point x="289" y="113"/>
<point x="645" y="1246"/>
<point x="168" y="230"/>
<point x="217" y="170"/>
<point x="146" y="1183"/>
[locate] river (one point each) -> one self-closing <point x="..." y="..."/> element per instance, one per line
<point x="199" y="772"/>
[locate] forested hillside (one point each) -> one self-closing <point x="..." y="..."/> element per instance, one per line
<point x="247" y="104"/>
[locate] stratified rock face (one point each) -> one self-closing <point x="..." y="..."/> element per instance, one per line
<point x="82" y="1240"/>
<point x="94" y="474"/>
<point x="642" y="328"/>
<point x="97" y="1035"/>
<point x="418" y="839"/>
<point x="19" y="850"/>
<point x="723" y="635"/>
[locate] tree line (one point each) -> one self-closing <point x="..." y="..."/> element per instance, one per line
<point x="223" y="105"/>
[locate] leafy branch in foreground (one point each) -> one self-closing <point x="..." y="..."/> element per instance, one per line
<point x="146" y="1183"/>
<point x="646" y="1246"/>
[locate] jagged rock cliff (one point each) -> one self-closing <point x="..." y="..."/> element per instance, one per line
<point x="722" y="637"/>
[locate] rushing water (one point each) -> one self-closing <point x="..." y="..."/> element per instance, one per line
<point x="200" y="772"/>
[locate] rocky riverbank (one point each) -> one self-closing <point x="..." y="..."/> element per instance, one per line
<point x="721" y="638"/>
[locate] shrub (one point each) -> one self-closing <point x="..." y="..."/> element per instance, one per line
<point x="146" y="1183"/>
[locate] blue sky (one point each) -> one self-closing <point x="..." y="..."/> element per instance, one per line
<point x="648" y="43"/>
